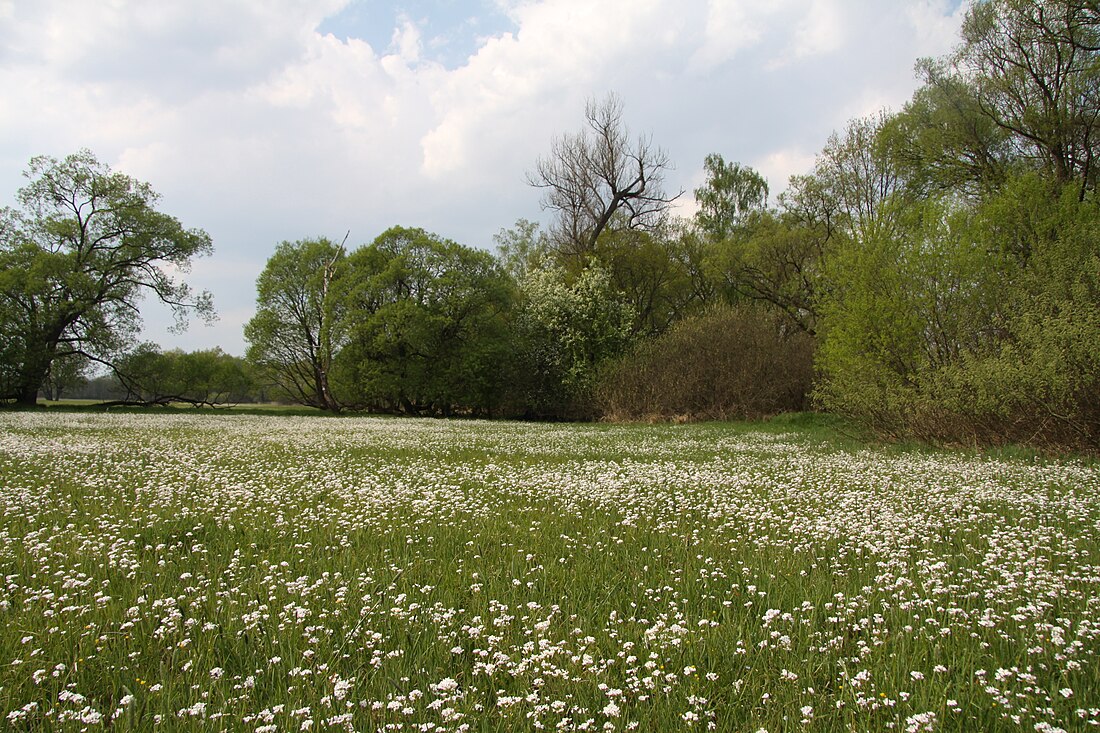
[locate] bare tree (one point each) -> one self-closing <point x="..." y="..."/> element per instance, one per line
<point x="599" y="178"/>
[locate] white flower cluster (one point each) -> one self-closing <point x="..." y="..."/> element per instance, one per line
<point x="258" y="573"/>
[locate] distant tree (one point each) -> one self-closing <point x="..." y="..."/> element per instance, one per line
<point x="211" y="377"/>
<point x="66" y="373"/>
<point x="145" y="375"/>
<point x="76" y="256"/>
<point x="780" y="258"/>
<point x="730" y="193"/>
<point x="299" y="324"/>
<point x="102" y="387"/>
<point x="207" y="377"/>
<point x="428" y="326"/>
<point x="855" y="183"/>
<point x="522" y="249"/>
<point x="783" y="256"/>
<point x="600" y="176"/>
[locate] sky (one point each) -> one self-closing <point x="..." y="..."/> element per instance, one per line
<point x="262" y="121"/>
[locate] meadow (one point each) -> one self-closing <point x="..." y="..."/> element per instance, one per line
<point x="286" y="573"/>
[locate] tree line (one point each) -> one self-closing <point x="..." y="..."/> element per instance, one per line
<point x="935" y="274"/>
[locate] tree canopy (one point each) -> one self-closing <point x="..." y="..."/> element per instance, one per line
<point x="299" y="324"/>
<point x="77" y="252"/>
<point x="429" y="333"/>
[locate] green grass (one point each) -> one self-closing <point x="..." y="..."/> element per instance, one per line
<point x="250" y="408"/>
<point x="239" y="571"/>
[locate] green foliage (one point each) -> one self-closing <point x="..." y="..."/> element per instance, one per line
<point x="418" y="324"/>
<point x="428" y="330"/>
<point x="66" y="373"/>
<point x="943" y="142"/>
<point x="973" y="325"/>
<point x="650" y="271"/>
<point x="563" y="333"/>
<point x="1033" y="68"/>
<point x="76" y="255"/>
<point x="730" y="193"/>
<point x="1040" y="380"/>
<point x="750" y="251"/>
<point x="853" y="183"/>
<point x="522" y="249"/>
<point x="300" y="322"/>
<point x="201" y="378"/>
<point x="778" y="258"/>
<point x="909" y="303"/>
<point x="962" y="295"/>
<point x="727" y="363"/>
<point x="944" y="257"/>
<point x="781" y="256"/>
<point x="210" y="376"/>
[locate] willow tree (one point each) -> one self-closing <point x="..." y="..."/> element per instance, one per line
<point x="1034" y="67"/>
<point x="77" y="253"/>
<point x="298" y="327"/>
<point x="428" y="326"/>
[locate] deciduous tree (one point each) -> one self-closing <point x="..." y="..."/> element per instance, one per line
<point x="210" y="377"/>
<point x="1034" y="66"/>
<point x="299" y="324"/>
<point x="730" y="193"/>
<point x="428" y="333"/>
<point x="76" y="254"/>
<point x="565" y="331"/>
<point x="601" y="175"/>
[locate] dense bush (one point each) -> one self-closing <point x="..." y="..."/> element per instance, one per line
<point x="729" y="362"/>
<point x="563" y="332"/>
<point x="979" y="327"/>
<point x="1041" y="384"/>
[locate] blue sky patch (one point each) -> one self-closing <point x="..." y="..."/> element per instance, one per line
<point x="451" y="30"/>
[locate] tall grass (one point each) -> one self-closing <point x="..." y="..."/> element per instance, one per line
<point x="298" y="573"/>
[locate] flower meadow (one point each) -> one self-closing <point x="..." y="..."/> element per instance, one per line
<point x="236" y="572"/>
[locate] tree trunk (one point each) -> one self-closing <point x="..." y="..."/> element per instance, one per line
<point x="28" y="395"/>
<point x="32" y="375"/>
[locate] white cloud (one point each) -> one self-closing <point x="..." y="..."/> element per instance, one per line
<point x="935" y="22"/>
<point x="821" y="30"/>
<point x="406" y="41"/>
<point x="162" y="49"/>
<point x="778" y="166"/>
<point x="730" y="27"/>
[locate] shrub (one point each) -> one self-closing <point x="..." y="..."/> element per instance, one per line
<point x="563" y="333"/>
<point x="729" y="362"/>
<point x="977" y="327"/>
